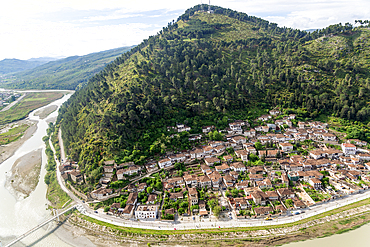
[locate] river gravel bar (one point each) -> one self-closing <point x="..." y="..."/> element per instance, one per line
<point x="25" y="174"/>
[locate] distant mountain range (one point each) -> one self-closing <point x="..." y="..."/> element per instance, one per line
<point x="13" y="65"/>
<point x="312" y="30"/>
<point x="67" y="73"/>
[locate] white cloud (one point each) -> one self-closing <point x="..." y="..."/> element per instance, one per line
<point x="69" y="27"/>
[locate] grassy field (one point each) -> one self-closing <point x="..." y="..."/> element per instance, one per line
<point x="13" y="134"/>
<point x="57" y="197"/>
<point x="29" y="103"/>
<point x="55" y="194"/>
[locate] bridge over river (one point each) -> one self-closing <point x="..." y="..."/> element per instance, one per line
<point x="39" y="226"/>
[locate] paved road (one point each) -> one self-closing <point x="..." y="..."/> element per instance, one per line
<point x="13" y="103"/>
<point x="206" y="223"/>
<point x="59" y="176"/>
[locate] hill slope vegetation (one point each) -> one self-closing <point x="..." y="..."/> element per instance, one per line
<point x="68" y="73"/>
<point x="210" y="69"/>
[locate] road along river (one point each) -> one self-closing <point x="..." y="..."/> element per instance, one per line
<point x="17" y="216"/>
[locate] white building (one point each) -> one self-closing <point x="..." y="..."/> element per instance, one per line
<point x="235" y="127"/>
<point x="146" y="212"/>
<point x="182" y="127"/>
<point x="286" y="147"/>
<point x="348" y="148"/>
<point x="164" y="163"/>
<point x="328" y="137"/>
<point x="238" y="167"/>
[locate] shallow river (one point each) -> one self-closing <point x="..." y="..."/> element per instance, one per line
<point x="19" y="216"/>
<point x="357" y="238"/>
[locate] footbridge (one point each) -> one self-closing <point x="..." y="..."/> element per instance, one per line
<point x="56" y="216"/>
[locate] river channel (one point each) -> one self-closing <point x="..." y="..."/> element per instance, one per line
<point x="17" y="216"/>
<point x="358" y="238"/>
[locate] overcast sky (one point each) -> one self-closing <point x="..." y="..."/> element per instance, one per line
<point x="60" y="28"/>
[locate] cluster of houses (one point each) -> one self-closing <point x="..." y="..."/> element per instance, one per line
<point x="69" y="170"/>
<point x="179" y="128"/>
<point x="5" y="97"/>
<point x="265" y="189"/>
<point x="122" y="171"/>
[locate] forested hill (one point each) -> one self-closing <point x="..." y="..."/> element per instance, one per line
<point x="210" y="69"/>
<point x="67" y="73"/>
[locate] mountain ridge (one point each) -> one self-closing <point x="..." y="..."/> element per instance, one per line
<point x="13" y="65"/>
<point x="66" y="73"/>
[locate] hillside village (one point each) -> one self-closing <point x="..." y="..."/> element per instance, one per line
<point x="268" y="167"/>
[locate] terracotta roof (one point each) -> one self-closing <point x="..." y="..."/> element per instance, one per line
<point x="128" y="209"/>
<point x="152" y="198"/>
<point x="286" y="144"/>
<point x="348" y="145"/>
<point x="263" y="210"/>
<point x="132" y="198"/>
<point x="272" y="194"/>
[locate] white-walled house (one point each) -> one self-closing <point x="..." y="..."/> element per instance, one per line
<point x="146" y="212"/>
<point x="286" y="146"/>
<point x="348" y="148"/>
<point x="164" y="163"/>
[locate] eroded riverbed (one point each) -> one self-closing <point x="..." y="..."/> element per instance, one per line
<point x="18" y="215"/>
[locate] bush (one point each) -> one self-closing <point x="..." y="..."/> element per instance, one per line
<point x="168" y="217"/>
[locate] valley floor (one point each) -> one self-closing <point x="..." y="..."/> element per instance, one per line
<point x="8" y="150"/>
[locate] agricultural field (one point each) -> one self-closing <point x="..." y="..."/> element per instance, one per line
<point x="29" y="103"/>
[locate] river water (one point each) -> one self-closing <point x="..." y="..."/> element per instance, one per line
<point x="17" y="216"/>
<point x="357" y="238"/>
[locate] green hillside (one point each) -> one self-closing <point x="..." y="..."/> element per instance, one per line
<point x="8" y="66"/>
<point x="211" y="69"/>
<point x="68" y="73"/>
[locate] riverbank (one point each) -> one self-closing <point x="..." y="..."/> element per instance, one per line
<point x="25" y="174"/>
<point x="8" y="150"/>
<point x="22" y="215"/>
<point x="29" y="103"/>
<point x="333" y="222"/>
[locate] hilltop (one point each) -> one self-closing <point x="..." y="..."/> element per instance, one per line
<point x="68" y="73"/>
<point x="210" y="69"/>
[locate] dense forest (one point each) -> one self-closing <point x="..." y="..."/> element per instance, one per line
<point x="212" y="68"/>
